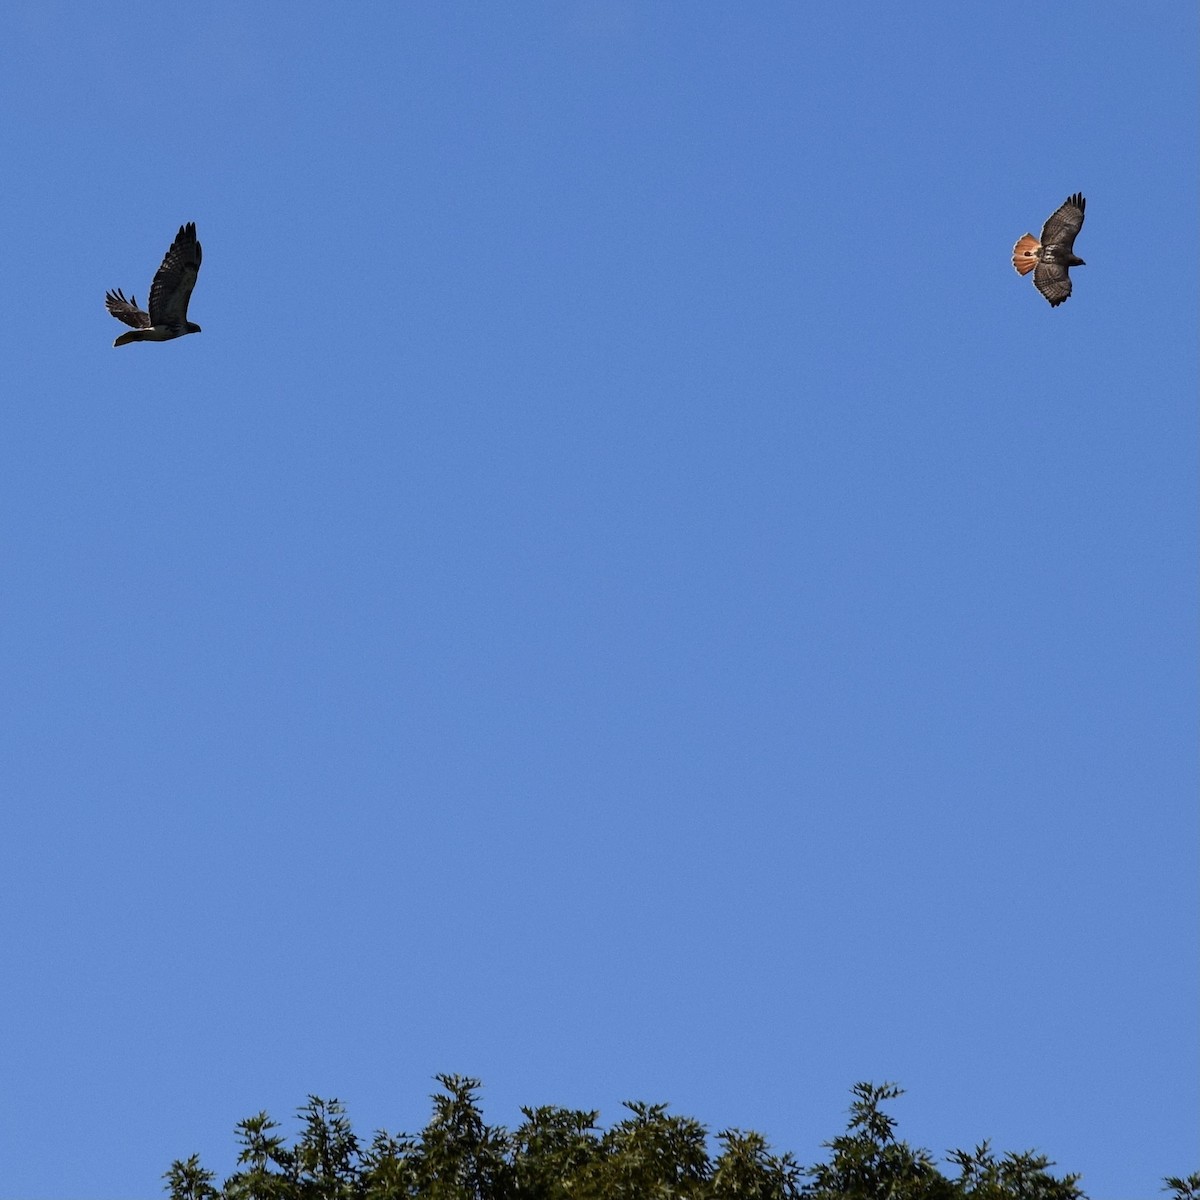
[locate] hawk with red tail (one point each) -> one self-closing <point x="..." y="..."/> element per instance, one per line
<point x="1050" y="259"/>
<point x="169" y="295"/>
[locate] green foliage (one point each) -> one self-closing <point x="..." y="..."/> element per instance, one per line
<point x="1183" y="1189"/>
<point x="190" y="1181"/>
<point x="869" y="1162"/>
<point x="982" y="1176"/>
<point x="747" y="1170"/>
<point x="562" y="1154"/>
<point x="650" y="1154"/>
<point x="459" y="1157"/>
<point x="553" y="1148"/>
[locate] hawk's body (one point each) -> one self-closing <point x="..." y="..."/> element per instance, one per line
<point x="169" y="295"/>
<point x="1052" y="257"/>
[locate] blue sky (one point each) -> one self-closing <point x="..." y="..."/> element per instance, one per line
<point x="629" y="596"/>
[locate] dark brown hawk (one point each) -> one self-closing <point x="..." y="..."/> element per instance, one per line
<point x="169" y="295"/>
<point x="1052" y="257"/>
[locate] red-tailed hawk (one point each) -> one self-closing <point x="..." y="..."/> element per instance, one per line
<point x="1051" y="258"/>
<point x="169" y="295"/>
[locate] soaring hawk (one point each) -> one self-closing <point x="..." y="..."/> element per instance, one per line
<point x="1051" y="258"/>
<point x="169" y="295"/>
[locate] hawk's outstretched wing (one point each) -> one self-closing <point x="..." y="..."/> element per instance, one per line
<point x="1053" y="281"/>
<point x="1063" y="225"/>
<point x="126" y="310"/>
<point x="174" y="280"/>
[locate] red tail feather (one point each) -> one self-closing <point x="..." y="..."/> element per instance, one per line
<point x="1025" y="254"/>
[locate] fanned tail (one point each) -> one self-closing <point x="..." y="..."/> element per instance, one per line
<point x="1025" y="253"/>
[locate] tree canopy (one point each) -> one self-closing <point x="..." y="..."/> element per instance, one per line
<point x="563" y="1154"/>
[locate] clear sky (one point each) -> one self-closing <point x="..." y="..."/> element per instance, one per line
<point x="629" y="596"/>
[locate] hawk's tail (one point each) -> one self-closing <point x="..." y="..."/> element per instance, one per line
<point x="1025" y="254"/>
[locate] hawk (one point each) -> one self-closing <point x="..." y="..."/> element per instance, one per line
<point x="169" y="295"/>
<point x="1051" y="258"/>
